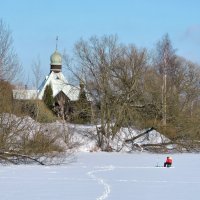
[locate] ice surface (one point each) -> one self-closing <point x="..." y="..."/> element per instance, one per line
<point x="111" y="176"/>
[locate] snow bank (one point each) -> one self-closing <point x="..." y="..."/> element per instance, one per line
<point x="83" y="137"/>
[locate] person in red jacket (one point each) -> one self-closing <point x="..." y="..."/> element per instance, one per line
<point x="168" y="162"/>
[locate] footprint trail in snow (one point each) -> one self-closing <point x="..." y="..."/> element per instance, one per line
<point x="101" y="181"/>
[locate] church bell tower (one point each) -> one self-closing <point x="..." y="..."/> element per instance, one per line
<point x="56" y="60"/>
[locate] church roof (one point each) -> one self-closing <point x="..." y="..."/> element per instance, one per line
<point x="58" y="84"/>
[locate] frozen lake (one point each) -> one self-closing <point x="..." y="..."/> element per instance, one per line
<point x="111" y="176"/>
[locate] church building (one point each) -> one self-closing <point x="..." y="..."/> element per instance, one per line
<point x="56" y="79"/>
<point x="68" y="100"/>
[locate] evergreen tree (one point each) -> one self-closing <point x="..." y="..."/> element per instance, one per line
<point x="83" y="107"/>
<point x="48" y="97"/>
<point x="82" y="94"/>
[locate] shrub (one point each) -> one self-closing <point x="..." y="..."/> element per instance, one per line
<point x="37" y="110"/>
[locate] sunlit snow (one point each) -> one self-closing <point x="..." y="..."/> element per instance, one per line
<point x="99" y="176"/>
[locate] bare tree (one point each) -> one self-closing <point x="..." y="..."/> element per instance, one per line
<point x="164" y="61"/>
<point x="127" y="92"/>
<point x="112" y="74"/>
<point x="37" y="72"/>
<point x="10" y="67"/>
<point x="179" y="93"/>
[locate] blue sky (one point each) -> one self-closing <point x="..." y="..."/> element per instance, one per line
<point x="36" y="23"/>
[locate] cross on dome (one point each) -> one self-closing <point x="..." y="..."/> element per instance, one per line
<point x="56" y="43"/>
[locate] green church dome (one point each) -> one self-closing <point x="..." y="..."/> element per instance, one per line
<point x="56" y="58"/>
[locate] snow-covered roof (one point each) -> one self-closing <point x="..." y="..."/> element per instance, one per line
<point x="58" y="84"/>
<point x="25" y="94"/>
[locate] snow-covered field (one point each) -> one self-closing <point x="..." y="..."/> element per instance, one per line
<point x="111" y="176"/>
